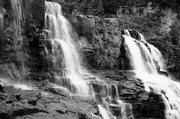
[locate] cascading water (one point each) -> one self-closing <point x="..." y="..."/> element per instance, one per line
<point x="147" y="62"/>
<point x="111" y="107"/>
<point x="60" y="35"/>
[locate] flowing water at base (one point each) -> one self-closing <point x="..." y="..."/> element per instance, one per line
<point x="149" y="66"/>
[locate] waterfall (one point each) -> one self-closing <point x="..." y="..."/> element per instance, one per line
<point x="60" y="36"/>
<point x="147" y="62"/>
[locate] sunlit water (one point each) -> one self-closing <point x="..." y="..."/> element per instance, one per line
<point x="60" y="35"/>
<point x="147" y="61"/>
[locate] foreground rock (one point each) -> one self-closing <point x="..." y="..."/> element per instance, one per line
<point x="20" y="104"/>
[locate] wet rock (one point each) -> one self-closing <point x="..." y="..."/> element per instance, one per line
<point x="134" y="34"/>
<point x="21" y="104"/>
<point x="1" y="88"/>
<point x="61" y="92"/>
<point x="163" y="73"/>
<point x="145" y="104"/>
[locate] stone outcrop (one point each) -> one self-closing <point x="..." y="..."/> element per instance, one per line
<point x="99" y="41"/>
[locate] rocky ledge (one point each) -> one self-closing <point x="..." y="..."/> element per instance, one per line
<point x="56" y="103"/>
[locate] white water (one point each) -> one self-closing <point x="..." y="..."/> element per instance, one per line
<point x="155" y="54"/>
<point x="60" y="35"/>
<point x="169" y="89"/>
<point x="104" y="112"/>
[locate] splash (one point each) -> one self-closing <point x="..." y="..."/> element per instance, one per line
<point x="22" y="86"/>
<point x="149" y="66"/>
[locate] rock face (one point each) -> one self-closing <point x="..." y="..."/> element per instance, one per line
<point x="22" y="42"/>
